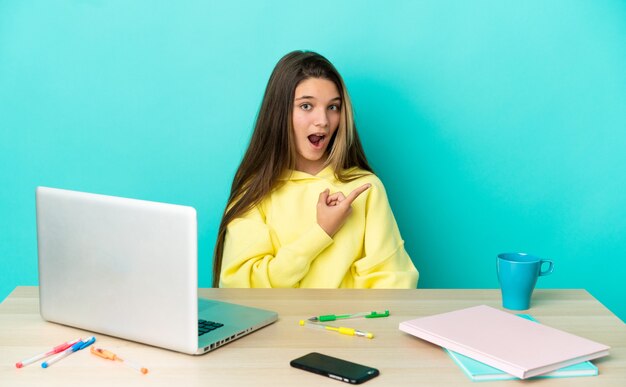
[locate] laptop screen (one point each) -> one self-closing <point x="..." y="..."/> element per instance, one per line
<point x="122" y="267"/>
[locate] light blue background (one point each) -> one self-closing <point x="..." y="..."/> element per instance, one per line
<point x="495" y="125"/>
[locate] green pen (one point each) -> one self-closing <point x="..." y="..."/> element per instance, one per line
<point x="333" y="317"/>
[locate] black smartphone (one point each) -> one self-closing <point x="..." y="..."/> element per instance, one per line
<point x="334" y="368"/>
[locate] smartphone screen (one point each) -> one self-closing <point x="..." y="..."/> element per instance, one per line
<point x="334" y="368"/>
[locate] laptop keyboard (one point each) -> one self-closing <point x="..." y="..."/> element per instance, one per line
<point x="205" y="326"/>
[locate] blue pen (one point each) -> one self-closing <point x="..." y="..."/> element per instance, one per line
<point x="76" y="347"/>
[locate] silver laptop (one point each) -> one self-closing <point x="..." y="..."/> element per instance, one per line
<point x="129" y="268"/>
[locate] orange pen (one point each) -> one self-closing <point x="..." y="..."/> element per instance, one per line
<point x="103" y="353"/>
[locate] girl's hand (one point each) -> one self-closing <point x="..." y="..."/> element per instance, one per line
<point x="333" y="210"/>
<point x="334" y="199"/>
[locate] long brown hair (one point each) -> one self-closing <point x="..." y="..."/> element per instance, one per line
<point x="272" y="148"/>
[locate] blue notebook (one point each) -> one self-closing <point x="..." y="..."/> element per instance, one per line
<point x="478" y="371"/>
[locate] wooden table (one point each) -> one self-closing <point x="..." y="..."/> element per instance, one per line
<point x="262" y="358"/>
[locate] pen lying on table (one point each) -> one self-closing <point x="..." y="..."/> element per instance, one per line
<point x="342" y="330"/>
<point x="53" y="351"/>
<point x="333" y="317"/>
<point x="74" y="348"/>
<point x="105" y="354"/>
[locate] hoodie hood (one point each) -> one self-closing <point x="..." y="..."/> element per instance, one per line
<point x="293" y="175"/>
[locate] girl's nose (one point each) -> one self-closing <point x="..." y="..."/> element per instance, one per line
<point x="321" y="119"/>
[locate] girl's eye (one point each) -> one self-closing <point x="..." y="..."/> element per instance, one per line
<point x="306" y="106"/>
<point x="334" y="107"/>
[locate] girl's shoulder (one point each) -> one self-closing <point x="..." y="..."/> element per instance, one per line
<point x="361" y="176"/>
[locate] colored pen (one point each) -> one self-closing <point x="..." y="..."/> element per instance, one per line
<point x="342" y="330"/>
<point x="76" y="347"/>
<point x="333" y="317"/>
<point x="103" y="353"/>
<point x="55" y="350"/>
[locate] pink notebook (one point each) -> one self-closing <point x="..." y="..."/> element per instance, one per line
<point x="502" y="340"/>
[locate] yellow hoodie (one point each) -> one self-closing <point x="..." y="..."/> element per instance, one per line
<point x="278" y="244"/>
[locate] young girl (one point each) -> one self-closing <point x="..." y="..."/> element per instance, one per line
<point x="305" y="209"/>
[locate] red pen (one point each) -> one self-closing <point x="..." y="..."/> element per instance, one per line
<point x="57" y="349"/>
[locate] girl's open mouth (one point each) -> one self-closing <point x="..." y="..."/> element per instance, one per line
<point x="317" y="140"/>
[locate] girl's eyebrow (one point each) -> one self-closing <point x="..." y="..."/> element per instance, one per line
<point x="311" y="97"/>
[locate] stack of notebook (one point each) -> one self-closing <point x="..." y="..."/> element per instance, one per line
<point x="506" y="342"/>
<point x="478" y="371"/>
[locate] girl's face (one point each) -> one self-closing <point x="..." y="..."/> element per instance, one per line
<point x="316" y="112"/>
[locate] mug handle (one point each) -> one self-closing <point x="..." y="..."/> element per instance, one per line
<point x="550" y="268"/>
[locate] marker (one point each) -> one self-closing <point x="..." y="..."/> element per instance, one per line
<point x="103" y="353"/>
<point x="333" y="317"/>
<point x="76" y="347"/>
<point x="55" y="350"/>
<point x="342" y="330"/>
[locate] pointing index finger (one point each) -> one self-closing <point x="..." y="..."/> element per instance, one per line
<point x="356" y="192"/>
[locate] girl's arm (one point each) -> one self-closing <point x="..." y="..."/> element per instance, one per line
<point x="251" y="260"/>
<point x="385" y="263"/>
